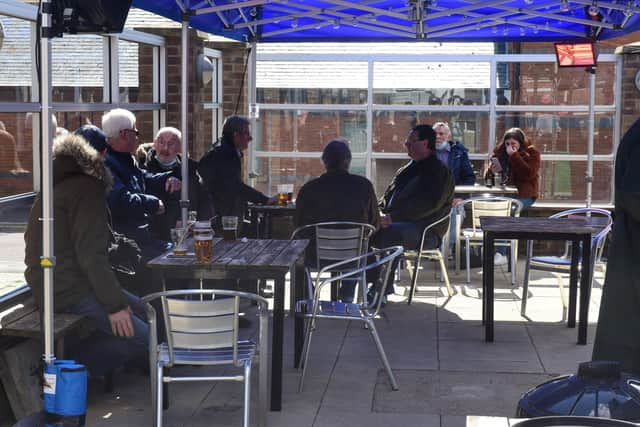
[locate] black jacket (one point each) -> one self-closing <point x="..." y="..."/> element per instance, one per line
<point x="221" y="171"/>
<point x="80" y="182"/>
<point x="337" y="196"/>
<point x="199" y="200"/>
<point x="420" y="192"/>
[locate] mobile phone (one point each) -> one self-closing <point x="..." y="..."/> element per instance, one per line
<point x="495" y="161"/>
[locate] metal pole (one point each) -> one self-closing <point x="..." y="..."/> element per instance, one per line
<point x="253" y="108"/>
<point x="47" y="261"/>
<point x="184" y="193"/>
<point x="590" y="126"/>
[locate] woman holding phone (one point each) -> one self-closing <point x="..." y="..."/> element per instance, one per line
<point x="518" y="161"/>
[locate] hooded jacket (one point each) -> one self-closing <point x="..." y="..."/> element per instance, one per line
<point x="81" y="234"/>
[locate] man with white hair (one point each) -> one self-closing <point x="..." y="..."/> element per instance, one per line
<point x="454" y="155"/>
<point x="163" y="155"/>
<point x="136" y="195"/>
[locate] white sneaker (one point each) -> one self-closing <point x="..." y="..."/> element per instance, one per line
<point x="499" y="259"/>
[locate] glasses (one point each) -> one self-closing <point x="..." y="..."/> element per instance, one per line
<point x="136" y="131"/>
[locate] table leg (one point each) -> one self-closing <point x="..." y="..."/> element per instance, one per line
<point x="276" y="346"/>
<point x="299" y="289"/>
<point x="487" y="285"/>
<point x="573" y="283"/>
<point x="585" y="289"/>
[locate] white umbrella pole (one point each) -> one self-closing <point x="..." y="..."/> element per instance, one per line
<point x="590" y="126"/>
<point x="47" y="261"/>
<point x="184" y="194"/>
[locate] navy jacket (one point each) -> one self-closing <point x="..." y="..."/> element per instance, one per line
<point x="460" y="165"/>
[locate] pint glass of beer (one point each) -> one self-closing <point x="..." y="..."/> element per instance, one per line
<point x="203" y="241"/>
<point x="229" y="227"/>
<point x="289" y="192"/>
<point x="282" y="195"/>
<point x="178" y="239"/>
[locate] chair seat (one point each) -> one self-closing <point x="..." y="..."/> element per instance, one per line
<point x="246" y="351"/>
<point x="551" y="260"/>
<point x="472" y="234"/>
<point x="331" y="309"/>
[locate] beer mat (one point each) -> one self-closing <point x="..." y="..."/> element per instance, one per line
<point x="187" y="255"/>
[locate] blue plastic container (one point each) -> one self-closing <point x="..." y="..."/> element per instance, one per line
<point x="65" y="394"/>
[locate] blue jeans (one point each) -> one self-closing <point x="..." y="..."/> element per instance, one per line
<point x="526" y="204"/>
<point x="103" y="351"/>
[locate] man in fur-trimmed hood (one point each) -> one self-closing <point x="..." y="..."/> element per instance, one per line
<point x="84" y="281"/>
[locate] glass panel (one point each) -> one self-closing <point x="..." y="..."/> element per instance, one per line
<point x="12" y="253"/>
<point x="296" y="171"/>
<point x="431" y="83"/>
<point x="303" y="130"/>
<point x="305" y="82"/>
<point x="15" y="60"/>
<point x="136" y="72"/>
<point x="560" y="133"/>
<point x="71" y="120"/>
<point x="390" y="128"/>
<point x="563" y="180"/>
<point x="543" y="83"/>
<point x="144" y="123"/>
<point x="383" y="171"/>
<point x="77" y="69"/>
<point x="16" y="154"/>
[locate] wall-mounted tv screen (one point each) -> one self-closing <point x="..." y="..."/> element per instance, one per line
<point x="576" y="54"/>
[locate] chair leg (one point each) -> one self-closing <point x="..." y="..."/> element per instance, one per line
<point x="525" y="288"/>
<point x="414" y="280"/>
<point x="305" y="353"/>
<point x="562" y="298"/>
<point x="514" y="262"/>
<point x="468" y="258"/>
<point x="457" y="255"/>
<point x="383" y="356"/>
<point x="443" y="268"/>
<point x="247" y="392"/>
<point x="159" y="384"/>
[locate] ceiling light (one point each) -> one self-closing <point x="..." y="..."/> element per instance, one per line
<point x="294" y="23"/>
<point x="494" y="29"/>
<point x="628" y="11"/>
<point x="593" y="9"/>
<point x="564" y="5"/>
<point x="336" y="24"/>
<point x="528" y="1"/>
<point x="505" y="31"/>
<point x="536" y="30"/>
<point x="522" y="31"/>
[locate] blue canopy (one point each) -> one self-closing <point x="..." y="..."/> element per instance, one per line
<point x="404" y="20"/>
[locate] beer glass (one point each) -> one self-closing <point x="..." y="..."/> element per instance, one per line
<point x="282" y="195"/>
<point x="179" y="247"/>
<point x="289" y="192"/>
<point x="229" y="227"/>
<point x="203" y="241"/>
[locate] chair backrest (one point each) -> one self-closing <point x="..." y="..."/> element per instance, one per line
<point x="337" y="240"/>
<point x="198" y="319"/>
<point x="380" y="258"/>
<point x="598" y="239"/>
<point x="490" y="206"/>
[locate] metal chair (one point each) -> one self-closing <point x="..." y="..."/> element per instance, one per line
<point x="485" y="206"/>
<point x="202" y="329"/>
<point x="316" y="308"/>
<point x="334" y="241"/>
<point x="433" y="254"/>
<point x="560" y="265"/>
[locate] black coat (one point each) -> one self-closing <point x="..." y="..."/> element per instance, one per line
<point x="80" y="181"/>
<point x="221" y="171"/>
<point x="618" y="332"/>
<point x="337" y="196"/>
<point x="199" y="200"/>
<point x="420" y="192"/>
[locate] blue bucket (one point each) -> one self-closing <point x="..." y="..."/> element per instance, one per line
<point x="65" y="393"/>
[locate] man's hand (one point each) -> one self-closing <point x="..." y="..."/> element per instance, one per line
<point x="121" y="324"/>
<point x="172" y="184"/>
<point x="161" y="208"/>
<point x="273" y="200"/>
<point x="385" y="221"/>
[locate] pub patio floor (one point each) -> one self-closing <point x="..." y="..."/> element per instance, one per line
<point x="436" y="347"/>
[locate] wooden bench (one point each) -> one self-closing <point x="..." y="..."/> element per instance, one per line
<point x="20" y="363"/>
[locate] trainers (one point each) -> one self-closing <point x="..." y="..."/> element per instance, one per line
<point x="499" y="259"/>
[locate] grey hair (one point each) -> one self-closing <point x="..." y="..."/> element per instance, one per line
<point x="116" y="120"/>
<point x="442" y="125"/>
<point x="171" y="130"/>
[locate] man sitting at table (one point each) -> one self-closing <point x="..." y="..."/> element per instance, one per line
<point x="420" y="193"/>
<point x="454" y="155"/>
<point x="337" y="195"/>
<point x="221" y="171"/>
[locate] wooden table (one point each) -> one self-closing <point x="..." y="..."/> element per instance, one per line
<point x="251" y="259"/>
<point x="479" y="190"/>
<point x="578" y="231"/>
<point x="262" y="216"/>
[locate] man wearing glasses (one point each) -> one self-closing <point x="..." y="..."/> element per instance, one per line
<point x="136" y="194"/>
<point x="420" y="193"/>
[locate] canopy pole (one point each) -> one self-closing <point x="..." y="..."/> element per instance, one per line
<point x="184" y="81"/>
<point x="254" y="113"/>
<point x="47" y="261"/>
<point x="590" y="141"/>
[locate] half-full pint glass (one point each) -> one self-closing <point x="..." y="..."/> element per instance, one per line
<point x="229" y="227"/>
<point x="203" y="241"/>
